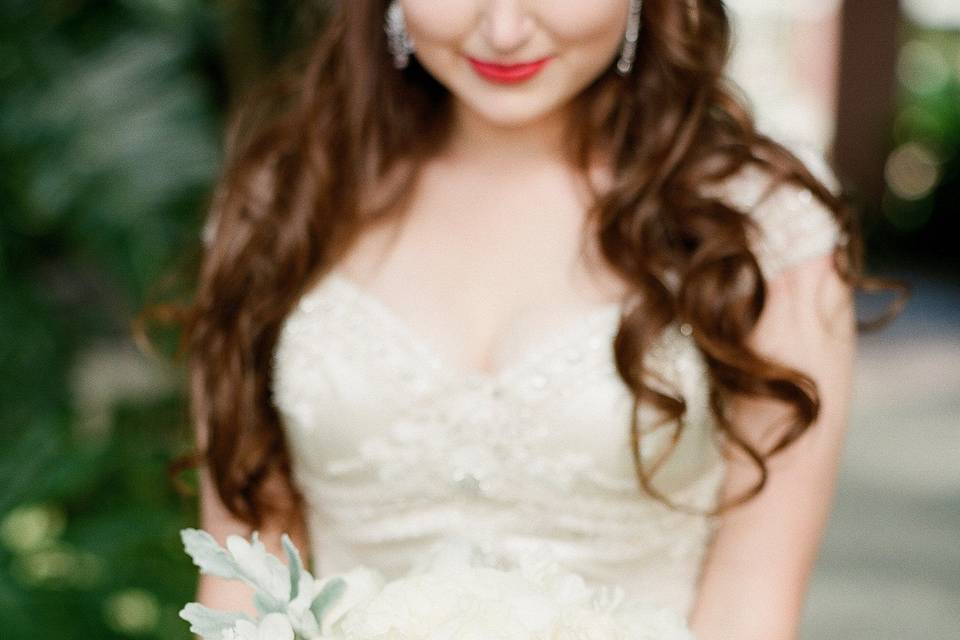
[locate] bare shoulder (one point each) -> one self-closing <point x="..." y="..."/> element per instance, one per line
<point x="791" y="224"/>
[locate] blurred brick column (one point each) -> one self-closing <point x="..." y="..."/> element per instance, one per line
<point x="243" y="48"/>
<point x="865" y="97"/>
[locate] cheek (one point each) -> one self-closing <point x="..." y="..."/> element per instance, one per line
<point x="588" y="35"/>
<point x="575" y="22"/>
<point x="443" y="22"/>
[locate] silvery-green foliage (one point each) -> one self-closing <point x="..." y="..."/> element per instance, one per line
<point x="327" y="597"/>
<point x="210" y="623"/>
<point x="212" y="559"/>
<point x="294" y="563"/>
<point x="273" y="626"/>
<point x="281" y="592"/>
<point x="261" y="570"/>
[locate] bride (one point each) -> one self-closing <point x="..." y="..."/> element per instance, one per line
<point x="523" y="272"/>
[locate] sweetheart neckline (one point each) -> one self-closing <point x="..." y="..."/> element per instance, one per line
<point x="548" y="342"/>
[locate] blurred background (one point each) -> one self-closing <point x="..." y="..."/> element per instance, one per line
<point x="111" y="114"/>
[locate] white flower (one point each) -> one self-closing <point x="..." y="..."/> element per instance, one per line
<point x="582" y="624"/>
<point x="362" y="584"/>
<point x="452" y="593"/>
<point x="473" y="602"/>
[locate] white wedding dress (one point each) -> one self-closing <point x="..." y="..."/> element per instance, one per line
<point x="394" y="450"/>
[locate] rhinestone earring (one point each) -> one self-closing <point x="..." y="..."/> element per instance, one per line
<point x="629" y="49"/>
<point x="693" y="14"/>
<point x="399" y="41"/>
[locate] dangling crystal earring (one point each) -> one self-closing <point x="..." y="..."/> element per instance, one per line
<point x="693" y="14"/>
<point x="629" y="50"/>
<point x="398" y="40"/>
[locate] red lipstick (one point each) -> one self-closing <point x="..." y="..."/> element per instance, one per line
<point x="508" y="73"/>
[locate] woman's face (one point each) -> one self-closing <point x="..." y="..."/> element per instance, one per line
<point x="577" y="39"/>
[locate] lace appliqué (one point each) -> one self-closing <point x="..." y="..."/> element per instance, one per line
<point x="792" y="224"/>
<point x="479" y="434"/>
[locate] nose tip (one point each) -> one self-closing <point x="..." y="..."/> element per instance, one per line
<point x="505" y="26"/>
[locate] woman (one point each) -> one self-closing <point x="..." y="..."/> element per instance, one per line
<point x="524" y="272"/>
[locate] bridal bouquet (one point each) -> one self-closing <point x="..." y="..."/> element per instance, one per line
<point x="452" y="594"/>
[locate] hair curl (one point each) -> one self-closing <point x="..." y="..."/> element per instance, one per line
<point x="306" y="149"/>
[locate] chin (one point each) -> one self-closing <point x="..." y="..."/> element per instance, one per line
<point x="511" y="112"/>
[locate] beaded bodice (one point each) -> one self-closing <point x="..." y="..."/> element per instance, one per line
<point x="394" y="449"/>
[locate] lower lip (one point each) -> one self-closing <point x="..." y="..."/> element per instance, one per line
<point x="508" y="74"/>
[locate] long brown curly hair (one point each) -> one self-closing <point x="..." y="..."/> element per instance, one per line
<point x="305" y="150"/>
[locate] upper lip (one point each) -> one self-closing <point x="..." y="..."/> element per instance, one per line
<point x="520" y="63"/>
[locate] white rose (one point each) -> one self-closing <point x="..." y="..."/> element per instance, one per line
<point x="362" y="585"/>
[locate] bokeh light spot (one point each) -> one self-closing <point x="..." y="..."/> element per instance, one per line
<point x="912" y="171"/>
<point x="31" y="527"/>
<point x="132" y="611"/>
<point x="60" y="567"/>
<point x="922" y="68"/>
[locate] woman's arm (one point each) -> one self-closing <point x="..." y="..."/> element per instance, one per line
<point x="232" y="595"/>
<point x="216" y="519"/>
<point x="218" y="593"/>
<point x="755" y="577"/>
